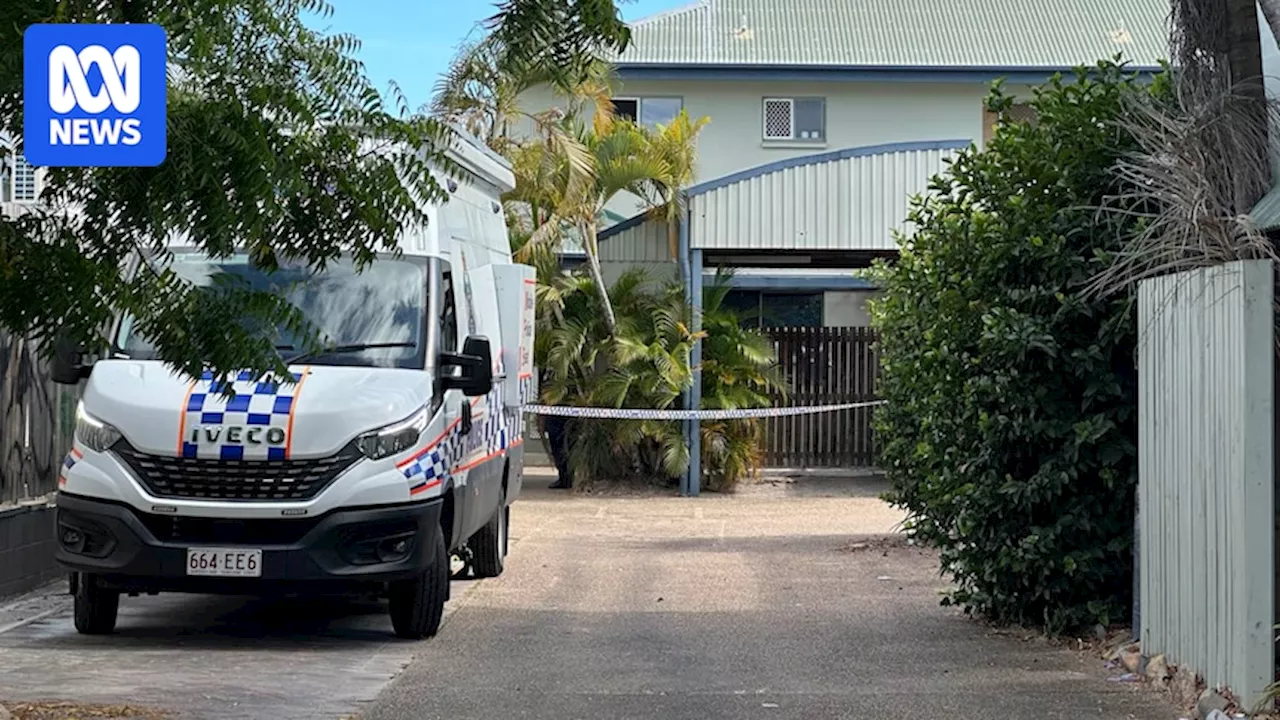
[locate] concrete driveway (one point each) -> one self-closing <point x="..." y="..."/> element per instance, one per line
<point x="776" y="603"/>
<point x="204" y="657"/>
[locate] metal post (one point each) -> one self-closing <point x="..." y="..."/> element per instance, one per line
<point x="695" y="429"/>
<point x="687" y="277"/>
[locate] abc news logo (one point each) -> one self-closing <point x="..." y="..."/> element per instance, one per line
<point x="69" y="89"/>
<point x="94" y="95"/>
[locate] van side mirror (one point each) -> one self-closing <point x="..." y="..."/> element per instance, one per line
<point x="476" y="368"/>
<point x="68" y="363"/>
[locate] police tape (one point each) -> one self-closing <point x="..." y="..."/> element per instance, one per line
<point x="650" y="414"/>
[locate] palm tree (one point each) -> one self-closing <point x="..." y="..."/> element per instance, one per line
<point x="566" y="171"/>
<point x="676" y="143"/>
<point x="739" y="371"/>
<point x="573" y="194"/>
<point x="481" y="92"/>
<point x="643" y="362"/>
<point x="1217" y="54"/>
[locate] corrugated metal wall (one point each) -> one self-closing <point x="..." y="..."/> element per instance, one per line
<point x="853" y="203"/>
<point x="1206" y="488"/>
<point x="643" y="246"/>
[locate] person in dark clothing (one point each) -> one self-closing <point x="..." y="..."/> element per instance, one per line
<point x="556" y="427"/>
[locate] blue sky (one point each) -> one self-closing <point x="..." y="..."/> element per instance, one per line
<point x="413" y="42"/>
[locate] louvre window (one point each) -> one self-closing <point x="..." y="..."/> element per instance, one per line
<point x="18" y="180"/>
<point x="24" y="179"/>
<point x="1018" y="112"/>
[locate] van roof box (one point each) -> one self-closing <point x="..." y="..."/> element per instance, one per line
<point x="478" y="159"/>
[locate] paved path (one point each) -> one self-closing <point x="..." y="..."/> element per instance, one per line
<point x="212" y="658"/>
<point x="762" y="605"/>
<point x="748" y="607"/>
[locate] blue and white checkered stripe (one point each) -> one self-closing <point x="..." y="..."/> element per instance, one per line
<point x="430" y="466"/>
<point x="528" y="389"/>
<point x="251" y="425"/>
<point x="452" y="451"/>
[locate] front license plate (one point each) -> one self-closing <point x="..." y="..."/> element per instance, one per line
<point x="224" y="562"/>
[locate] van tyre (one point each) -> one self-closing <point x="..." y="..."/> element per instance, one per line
<point x="95" y="607"/>
<point x="417" y="605"/>
<point x="489" y="544"/>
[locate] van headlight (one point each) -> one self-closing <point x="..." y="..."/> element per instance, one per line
<point x="395" y="438"/>
<point x="92" y="432"/>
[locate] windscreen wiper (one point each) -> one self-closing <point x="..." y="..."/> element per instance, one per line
<point x="355" y="347"/>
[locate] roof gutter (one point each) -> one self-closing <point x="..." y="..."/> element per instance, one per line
<point x="853" y="73"/>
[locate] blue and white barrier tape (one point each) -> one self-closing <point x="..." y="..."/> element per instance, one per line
<point x="643" y="414"/>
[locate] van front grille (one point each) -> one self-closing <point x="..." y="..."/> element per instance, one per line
<point x="238" y="480"/>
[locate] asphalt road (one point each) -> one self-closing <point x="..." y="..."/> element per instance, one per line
<point x="777" y="603"/>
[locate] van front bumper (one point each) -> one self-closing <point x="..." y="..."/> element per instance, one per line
<point x="356" y="549"/>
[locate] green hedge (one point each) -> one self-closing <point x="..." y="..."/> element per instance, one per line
<point x="1010" y="431"/>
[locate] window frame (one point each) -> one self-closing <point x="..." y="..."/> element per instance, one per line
<point x="627" y="98"/>
<point x="447" y="318"/>
<point x="639" y="101"/>
<point x="14" y="158"/>
<point x="9" y="157"/>
<point x="791" y="104"/>
<point x="991" y="120"/>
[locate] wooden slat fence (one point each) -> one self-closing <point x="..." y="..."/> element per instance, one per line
<point x="823" y="366"/>
<point x="37" y="418"/>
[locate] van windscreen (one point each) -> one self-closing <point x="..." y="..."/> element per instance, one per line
<point x="371" y="318"/>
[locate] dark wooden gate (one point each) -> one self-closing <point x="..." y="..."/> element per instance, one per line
<point x="823" y="366"/>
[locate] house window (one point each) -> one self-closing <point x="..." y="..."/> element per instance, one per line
<point x="648" y="111"/>
<point x="1018" y="112"/>
<point x="757" y="308"/>
<point x="17" y="178"/>
<point x="24" y="179"/>
<point x="796" y="119"/>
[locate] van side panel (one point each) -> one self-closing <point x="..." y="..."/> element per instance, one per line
<point x="477" y="239"/>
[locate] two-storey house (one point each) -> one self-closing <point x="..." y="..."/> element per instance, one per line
<point x="826" y="116"/>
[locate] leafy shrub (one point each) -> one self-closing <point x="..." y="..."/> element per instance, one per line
<point x="739" y="372"/>
<point x="647" y="364"/>
<point x="644" y="365"/>
<point x="1010" y="430"/>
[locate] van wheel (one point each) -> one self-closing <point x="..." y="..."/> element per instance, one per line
<point x="489" y="544"/>
<point x="417" y="605"/>
<point x="95" y="607"/>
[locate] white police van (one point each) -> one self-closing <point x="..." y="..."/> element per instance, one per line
<point x="395" y="448"/>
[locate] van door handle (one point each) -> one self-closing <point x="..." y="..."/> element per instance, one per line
<point x="465" y="417"/>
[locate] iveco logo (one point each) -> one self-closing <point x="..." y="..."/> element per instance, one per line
<point x="238" y="434"/>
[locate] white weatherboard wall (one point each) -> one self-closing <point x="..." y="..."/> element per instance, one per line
<point x="858" y="114"/>
<point x="1206" y="477"/>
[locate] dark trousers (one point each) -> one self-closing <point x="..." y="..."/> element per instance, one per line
<point x="557" y="437"/>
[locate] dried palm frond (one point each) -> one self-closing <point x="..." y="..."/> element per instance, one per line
<point x="1203" y="161"/>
